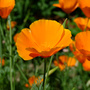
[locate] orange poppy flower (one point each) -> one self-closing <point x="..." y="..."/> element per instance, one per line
<point x="86" y="65"/>
<point x="67" y="6"/>
<point x="82" y="42"/>
<point x="82" y="23"/>
<point x="6" y="7"/>
<point x="59" y="64"/>
<point x="71" y="62"/>
<point x="13" y="24"/>
<point x="72" y="46"/>
<point x="85" y="6"/>
<point x="32" y="80"/>
<point x="44" y="38"/>
<point x="15" y="37"/>
<point x="81" y="58"/>
<point x="3" y="62"/>
<point x="65" y="61"/>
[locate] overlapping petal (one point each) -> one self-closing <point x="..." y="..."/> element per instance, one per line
<point x="24" y="41"/>
<point x="86" y="65"/>
<point x="44" y="38"/>
<point x="81" y="58"/>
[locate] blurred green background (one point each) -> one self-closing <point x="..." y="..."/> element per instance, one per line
<point x="24" y="13"/>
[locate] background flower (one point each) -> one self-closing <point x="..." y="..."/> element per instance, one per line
<point x="80" y="57"/>
<point x="67" y="6"/>
<point x="13" y="24"/>
<point x="34" y="80"/>
<point x="3" y="62"/>
<point x="82" y="43"/>
<point x="85" y="6"/>
<point x="65" y="61"/>
<point x="6" y="7"/>
<point x="15" y="37"/>
<point x="82" y="23"/>
<point x="86" y="65"/>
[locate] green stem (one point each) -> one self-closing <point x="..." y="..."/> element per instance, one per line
<point x="14" y="79"/>
<point x="44" y="73"/>
<point x="3" y="36"/>
<point x="21" y="73"/>
<point x="48" y="70"/>
<point x="57" y="56"/>
<point x="53" y="70"/>
<point x="9" y="21"/>
<point x="0" y="46"/>
<point x="15" y="59"/>
<point x="1" y="31"/>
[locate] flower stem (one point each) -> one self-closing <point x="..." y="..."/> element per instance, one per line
<point x="15" y="64"/>
<point x="48" y="71"/>
<point x="10" y="51"/>
<point x="44" y="73"/>
<point x="0" y="47"/>
<point x="21" y="73"/>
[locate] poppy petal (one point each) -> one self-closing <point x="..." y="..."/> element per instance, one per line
<point x="43" y="31"/>
<point x="24" y="41"/>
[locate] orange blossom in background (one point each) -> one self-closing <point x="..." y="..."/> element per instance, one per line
<point x="85" y="6"/>
<point x="82" y="43"/>
<point x="82" y="23"/>
<point x="13" y="24"/>
<point x="81" y="58"/>
<point x="65" y="61"/>
<point x="6" y="7"/>
<point x="33" y="79"/>
<point x="3" y="62"/>
<point x="67" y="6"/>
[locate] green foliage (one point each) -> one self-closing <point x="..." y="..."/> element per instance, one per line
<point x="24" y="13"/>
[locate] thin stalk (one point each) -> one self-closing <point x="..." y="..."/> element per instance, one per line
<point x="15" y="64"/>
<point x="34" y="63"/>
<point x="21" y="73"/>
<point x="9" y="21"/>
<point x="57" y="56"/>
<point x="0" y="47"/>
<point x="1" y="31"/>
<point x="44" y="73"/>
<point x="14" y="79"/>
<point x="15" y="58"/>
<point x="3" y="36"/>
<point x="48" y="71"/>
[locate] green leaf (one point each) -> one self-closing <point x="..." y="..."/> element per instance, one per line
<point x="64" y="23"/>
<point x="59" y="13"/>
<point x="41" y="86"/>
<point x="34" y="87"/>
